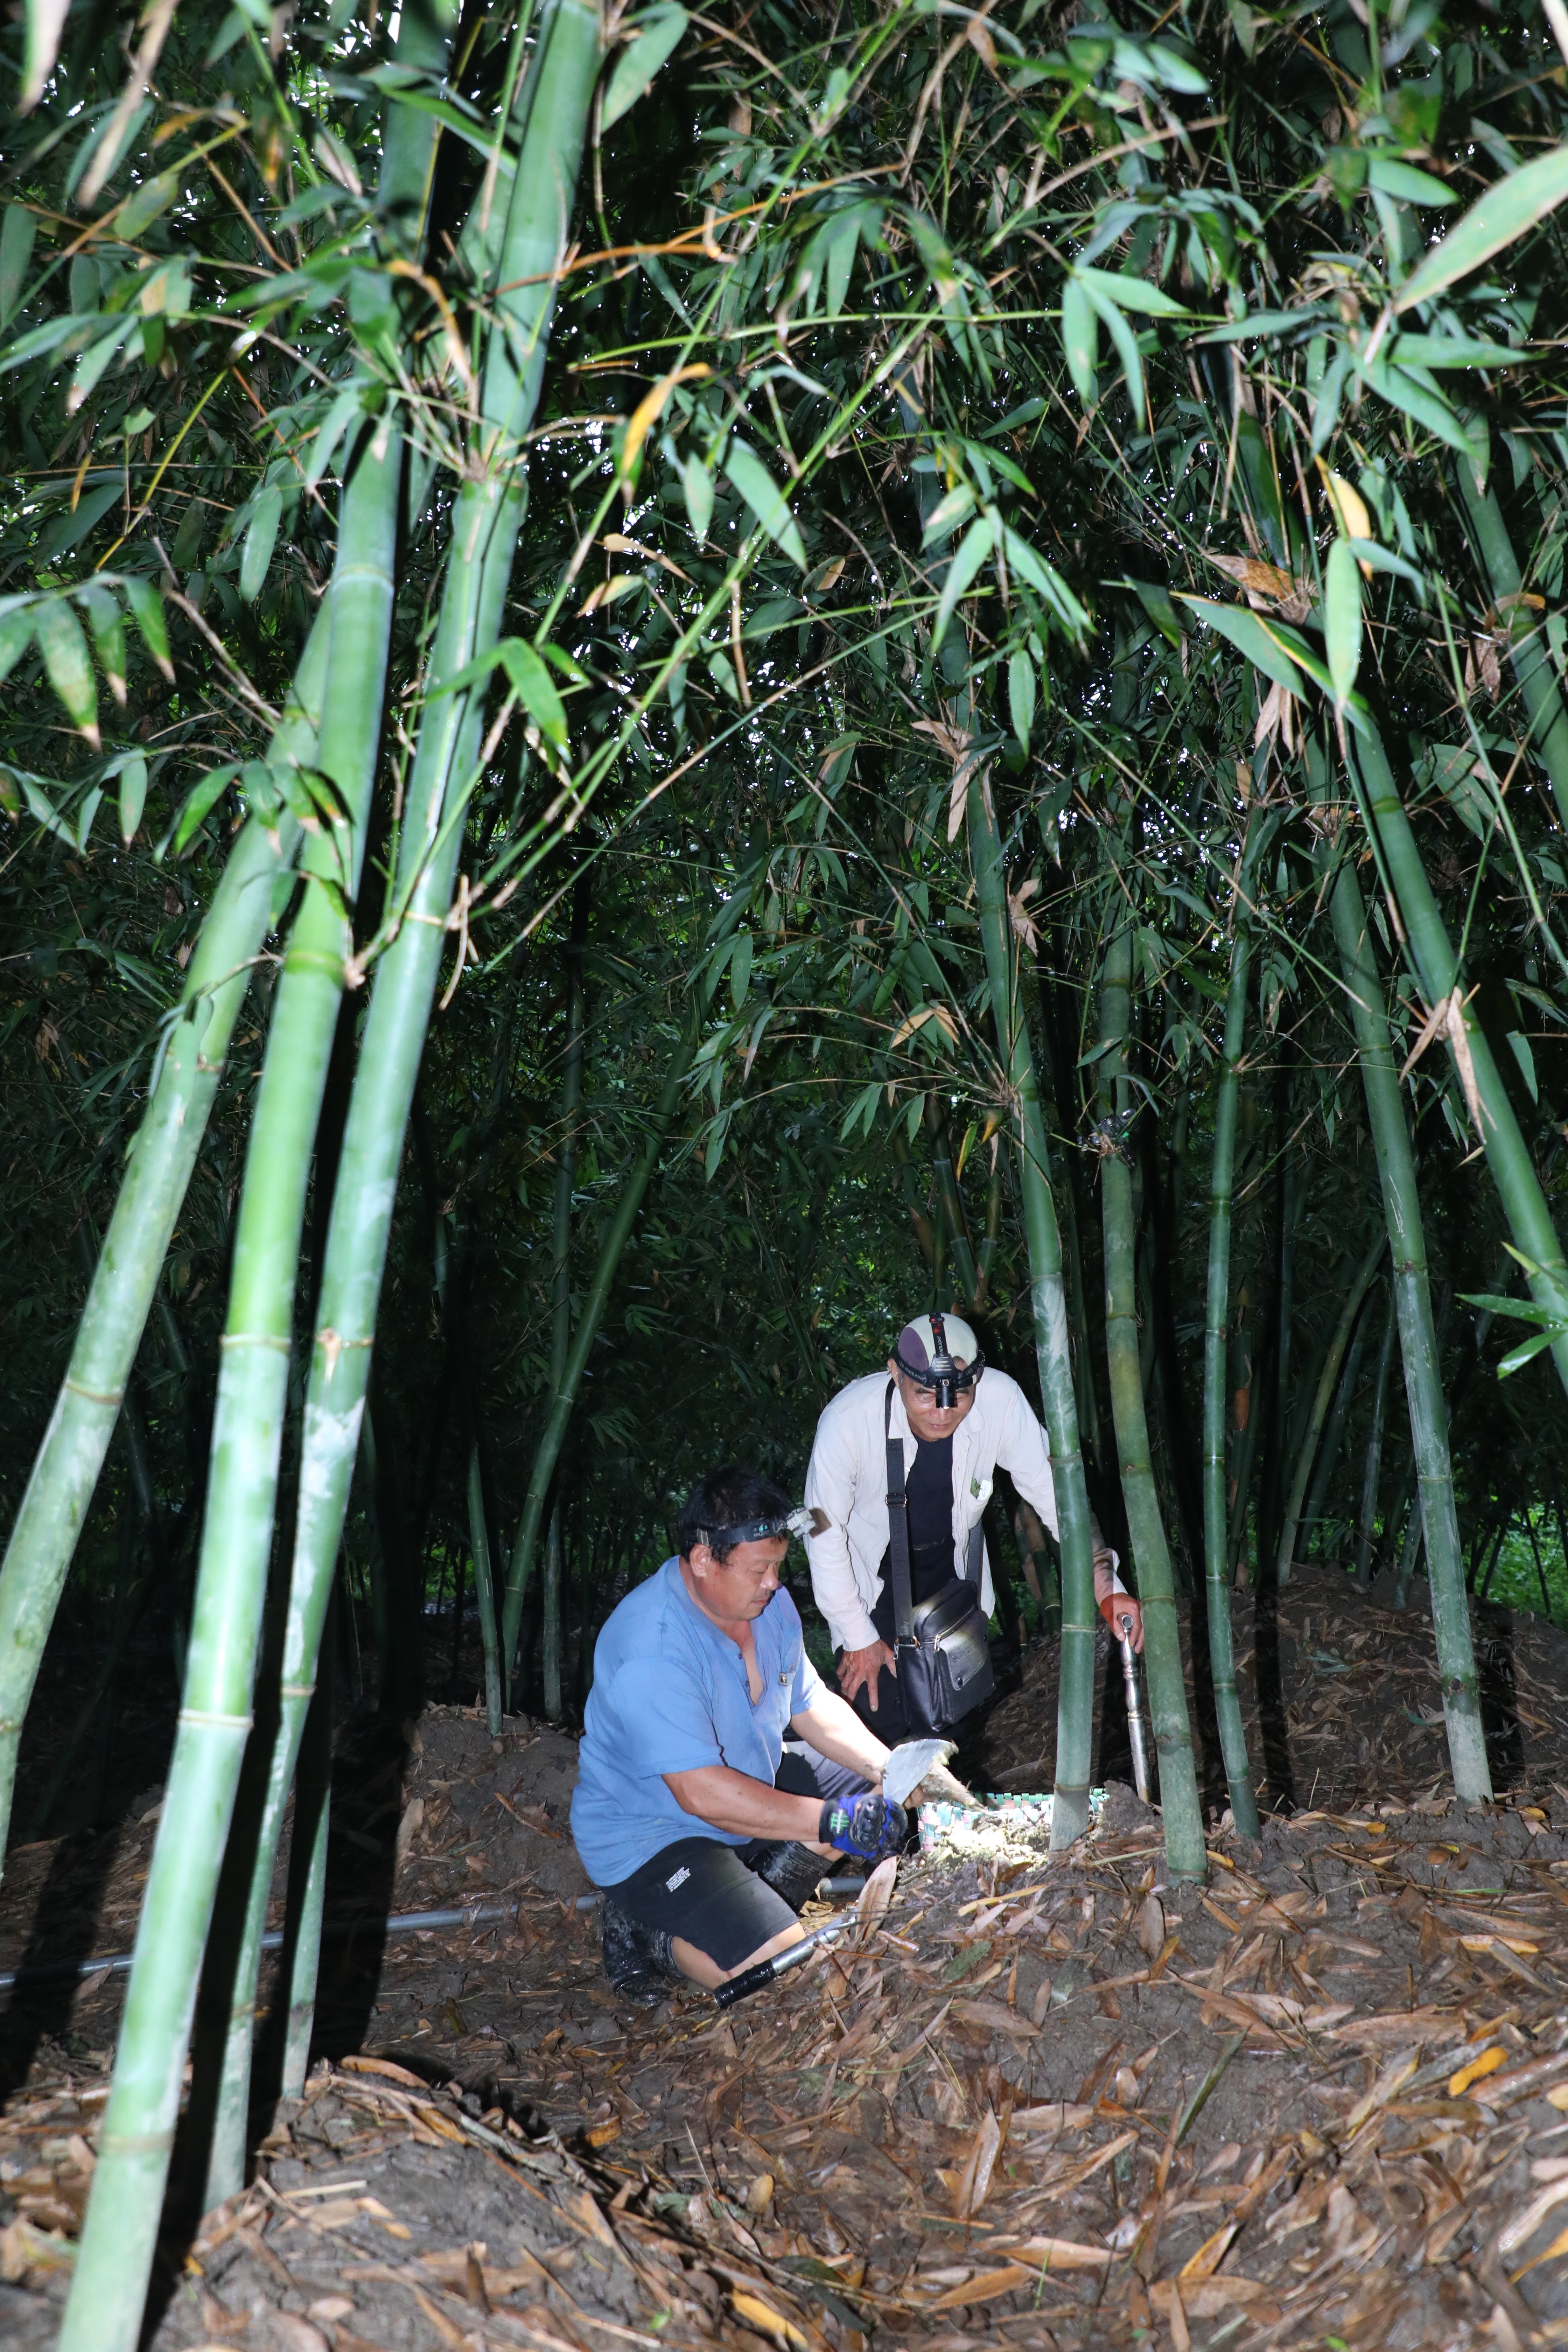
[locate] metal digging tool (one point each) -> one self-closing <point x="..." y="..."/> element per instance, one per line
<point x="740" y="1988"/>
<point x="923" y="1763"/>
<point x="1134" y="1710"/>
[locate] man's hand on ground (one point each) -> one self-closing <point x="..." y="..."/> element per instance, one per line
<point x="868" y="1827"/>
<point x="862" y="1667"/>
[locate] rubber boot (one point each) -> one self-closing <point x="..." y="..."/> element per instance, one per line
<point x="793" y="1871"/>
<point x="639" y="1961"/>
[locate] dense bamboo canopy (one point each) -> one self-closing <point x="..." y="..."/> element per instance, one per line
<point x="677" y="683"/>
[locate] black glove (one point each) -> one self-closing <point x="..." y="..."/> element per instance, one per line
<point x="868" y="1827"/>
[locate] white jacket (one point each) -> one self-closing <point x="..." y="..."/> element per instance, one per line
<point x="847" y="1479"/>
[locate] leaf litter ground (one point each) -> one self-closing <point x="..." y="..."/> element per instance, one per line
<point x="1053" y="2102"/>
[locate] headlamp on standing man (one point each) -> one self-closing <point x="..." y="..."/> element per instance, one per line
<point x="924" y="1354"/>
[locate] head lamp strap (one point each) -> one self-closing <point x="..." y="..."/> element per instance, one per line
<point x="786" y="1523"/>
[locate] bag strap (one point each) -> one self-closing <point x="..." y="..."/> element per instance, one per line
<point x="899" y="1532"/>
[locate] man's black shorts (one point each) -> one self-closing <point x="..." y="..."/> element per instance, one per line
<point x="710" y="1893"/>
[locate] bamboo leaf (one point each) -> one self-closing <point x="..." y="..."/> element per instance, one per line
<point x="108" y="637"/>
<point x="1049" y="583"/>
<point x="1081" y="340"/>
<point x="1021" y="695"/>
<point x="70" y="665"/>
<point x="17" y="629"/>
<point x="1507" y="212"/>
<point x="741" y="969"/>
<point x="1452" y="352"/>
<point x="1248" y="635"/>
<point x="200" y="799"/>
<point x="534" y="688"/>
<point x="949" y="512"/>
<point x="1404" y="181"/>
<point x="1341" y="618"/>
<point x="147" y="608"/>
<point x="766" y="500"/>
<point x="260" y="537"/>
<point x="974" y="548"/>
<point x="17" y="231"/>
<point x="143" y="205"/>
<point x="653" y="37"/>
<point x="1130" y="293"/>
<point x="133" y="796"/>
<point x="696" y="482"/>
<point x="1126" y="342"/>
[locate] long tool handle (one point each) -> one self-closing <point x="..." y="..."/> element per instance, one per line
<point x="753" y="1979"/>
<point x="1134" y="1711"/>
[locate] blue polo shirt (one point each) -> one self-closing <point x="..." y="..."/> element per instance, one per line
<point x="671" y="1695"/>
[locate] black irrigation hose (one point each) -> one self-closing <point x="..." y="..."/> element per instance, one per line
<point x="402" y="1923"/>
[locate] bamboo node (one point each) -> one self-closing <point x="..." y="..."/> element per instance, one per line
<point x="115" y="1397"/>
<point x="214" y="1720"/>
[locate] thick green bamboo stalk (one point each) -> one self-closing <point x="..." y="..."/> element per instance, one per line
<point x="563" y="1395"/>
<point x="1181" y="1808"/>
<point x="1518" y="1187"/>
<point x="69" y="1461"/>
<point x="1322" y="1397"/>
<point x="363" y="595"/>
<point x="1531" y="662"/>
<point x="237" y="1541"/>
<point x="561" y="1275"/>
<point x="1366" y="1524"/>
<point x="1216" y="1545"/>
<point x="489" y="512"/>
<point x="1418" y="1342"/>
<point x="1053" y="1355"/>
<point x="312" y="1810"/>
<point x="304" y="1020"/>
<point x="485" y="1588"/>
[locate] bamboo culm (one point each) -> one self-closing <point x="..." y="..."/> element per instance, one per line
<point x="1518" y="1187"/>
<point x="1216" y="1545"/>
<point x="304" y="1022"/>
<point x="104" y="2314"/>
<point x="1366" y="1534"/>
<point x="1181" y="1810"/>
<point x="561" y="1271"/>
<point x="66" y="1470"/>
<point x="1053" y="1354"/>
<point x="236" y="1539"/>
<point x="485" y="1591"/>
<point x="488" y="511"/>
<point x="1531" y="662"/>
<point x="554" y="1434"/>
<point x="1322" y="1397"/>
<point x="1418" y="1345"/>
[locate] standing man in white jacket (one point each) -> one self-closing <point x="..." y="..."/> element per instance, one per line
<point x="956" y="1420"/>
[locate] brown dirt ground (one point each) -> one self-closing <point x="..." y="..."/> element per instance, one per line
<point x="1322" y="2101"/>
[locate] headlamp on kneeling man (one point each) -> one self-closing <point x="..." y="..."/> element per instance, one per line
<point x="799" y="1522"/>
<point x="940" y="1353"/>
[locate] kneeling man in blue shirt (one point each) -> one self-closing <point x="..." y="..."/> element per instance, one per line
<point x="706" y="1835"/>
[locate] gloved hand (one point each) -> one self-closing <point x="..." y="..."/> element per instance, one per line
<point x="868" y="1827"/>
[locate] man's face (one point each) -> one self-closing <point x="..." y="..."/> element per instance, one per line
<point x="740" y="1587"/>
<point x="926" y="1417"/>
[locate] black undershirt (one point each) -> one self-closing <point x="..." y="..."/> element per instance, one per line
<point x="929" y="1489"/>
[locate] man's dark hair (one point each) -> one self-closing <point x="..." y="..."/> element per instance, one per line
<point x="726" y="1498"/>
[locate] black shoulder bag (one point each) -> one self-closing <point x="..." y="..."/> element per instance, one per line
<point x="945" y="1646"/>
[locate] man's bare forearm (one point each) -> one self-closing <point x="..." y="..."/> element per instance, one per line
<point x="732" y="1800"/>
<point x="832" y="1727"/>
